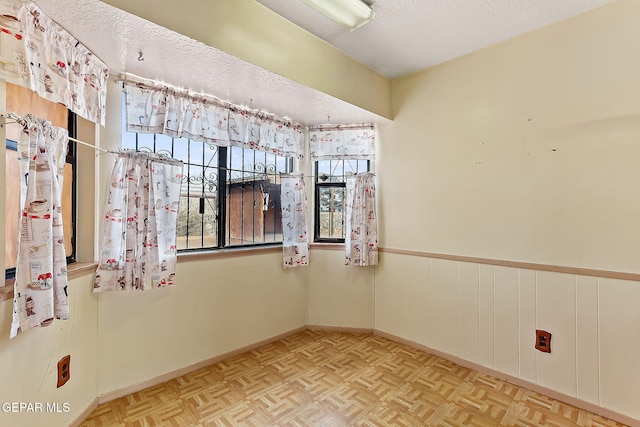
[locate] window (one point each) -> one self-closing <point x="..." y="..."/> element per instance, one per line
<point x="24" y="101"/>
<point x="230" y="195"/>
<point x="330" y="195"/>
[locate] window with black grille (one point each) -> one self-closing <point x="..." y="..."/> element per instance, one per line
<point x="330" y="197"/>
<point x="230" y="196"/>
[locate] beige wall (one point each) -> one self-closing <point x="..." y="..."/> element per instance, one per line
<point x="119" y="340"/>
<point x="219" y="306"/>
<point x="339" y="295"/>
<point x="490" y="185"/>
<point x="28" y="363"/>
<point x="524" y="151"/>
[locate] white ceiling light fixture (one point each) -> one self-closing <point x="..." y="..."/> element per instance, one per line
<point x="351" y="14"/>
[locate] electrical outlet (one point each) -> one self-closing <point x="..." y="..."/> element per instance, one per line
<point x="64" y="372"/>
<point x="543" y="341"/>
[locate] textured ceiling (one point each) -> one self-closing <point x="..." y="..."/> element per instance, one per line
<point x="410" y="35"/>
<point x="407" y="35"/>
<point x="116" y="37"/>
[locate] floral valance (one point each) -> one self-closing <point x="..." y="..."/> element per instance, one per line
<point x="342" y="142"/>
<point x="156" y="108"/>
<point x="39" y="54"/>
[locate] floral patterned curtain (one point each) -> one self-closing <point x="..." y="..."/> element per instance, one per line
<point x="40" y="289"/>
<point x="139" y="235"/>
<point x="38" y="53"/>
<point x="295" y="242"/>
<point x="155" y="108"/>
<point x="13" y="61"/>
<point x="342" y="142"/>
<point x="361" y="237"/>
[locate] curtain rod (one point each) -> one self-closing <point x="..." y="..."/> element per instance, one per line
<point x="326" y="176"/>
<point x="128" y="79"/>
<point x="18" y="119"/>
<point x="331" y="126"/>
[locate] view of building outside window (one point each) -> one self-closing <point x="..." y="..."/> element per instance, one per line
<point x="330" y="196"/>
<point x="230" y="195"/>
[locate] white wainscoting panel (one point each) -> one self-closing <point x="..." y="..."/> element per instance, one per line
<point x="487" y="314"/>
<point x="468" y="311"/>
<point x="556" y="313"/>
<point x="444" y="305"/>
<point x="587" y="339"/>
<point x="486" y="311"/>
<point x="527" y="324"/>
<point x="619" y="308"/>
<point x="506" y="331"/>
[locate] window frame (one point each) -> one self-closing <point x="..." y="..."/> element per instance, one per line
<point x="222" y="191"/>
<point x="10" y="272"/>
<point x="71" y="158"/>
<point x="316" y="217"/>
<point x="318" y="185"/>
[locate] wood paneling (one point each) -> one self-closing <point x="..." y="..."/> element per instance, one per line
<point x="619" y="345"/>
<point x="488" y="314"/>
<point x="587" y="360"/>
<point x="468" y="311"/>
<point x="444" y="305"/>
<point x="527" y="309"/>
<point x="506" y="333"/>
<point x="556" y="313"/>
<point x="486" y="311"/>
<point x="622" y="275"/>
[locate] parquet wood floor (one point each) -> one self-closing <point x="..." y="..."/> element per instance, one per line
<point x="330" y="379"/>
